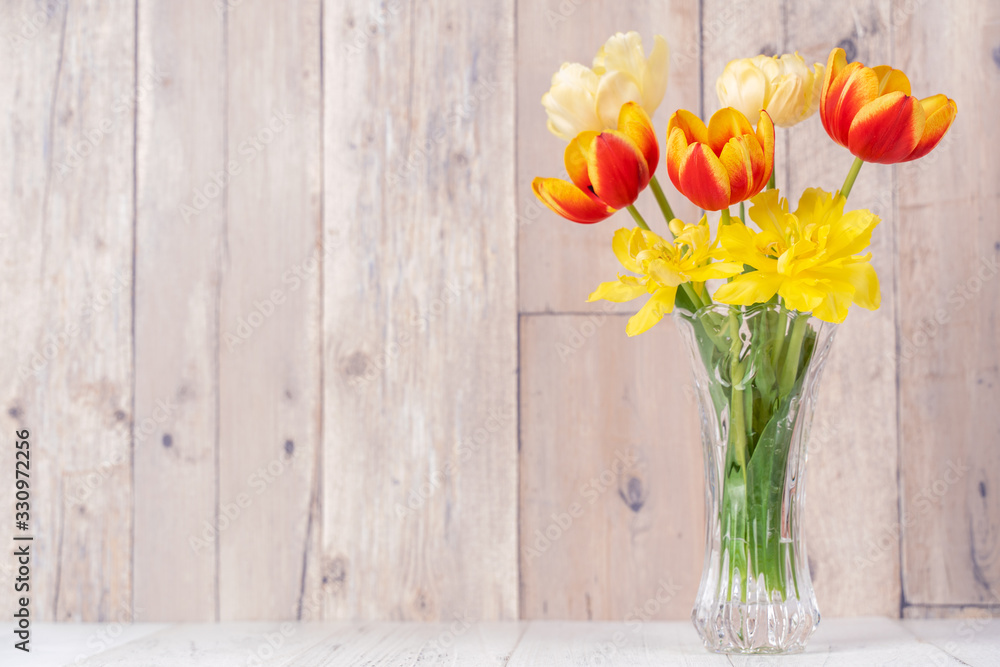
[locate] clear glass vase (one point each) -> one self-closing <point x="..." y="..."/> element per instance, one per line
<point x="756" y="371"/>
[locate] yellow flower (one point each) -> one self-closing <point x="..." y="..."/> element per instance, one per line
<point x="811" y="258"/>
<point x="785" y="87"/>
<point x="583" y="99"/>
<point x="663" y="267"/>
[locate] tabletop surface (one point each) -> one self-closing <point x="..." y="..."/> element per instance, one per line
<point x="849" y="642"/>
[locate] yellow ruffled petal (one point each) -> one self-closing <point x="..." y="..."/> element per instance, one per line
<point x="660" y="304"/>
<point x="749" y="288"/>
<point x="624" y="289"/>
<point x="620" y="245"/>
<point x="801" y="295"/>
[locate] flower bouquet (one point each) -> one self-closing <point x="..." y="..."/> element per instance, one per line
<point x="783" y="280"/>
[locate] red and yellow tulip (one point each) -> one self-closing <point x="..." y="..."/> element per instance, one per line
<point x="722" y="164"/>
<point x="869" y="111"/>
<point x="608" y="169"/>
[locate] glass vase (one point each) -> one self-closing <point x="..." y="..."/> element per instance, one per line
<point x="756" y="372"/>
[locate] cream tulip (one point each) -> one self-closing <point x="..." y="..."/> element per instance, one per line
<point x="783" y="86"/>
<point x="582" y="99"/>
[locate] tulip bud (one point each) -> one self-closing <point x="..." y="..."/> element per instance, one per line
<point x="783" y="86"/>
<point x="582" y="99"/>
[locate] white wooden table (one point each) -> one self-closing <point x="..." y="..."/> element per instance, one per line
<point x="838" y="642"/>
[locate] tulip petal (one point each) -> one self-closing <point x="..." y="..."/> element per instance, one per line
<point x="617" y="169"/>
<point x="634" y="123"/>
<point x="739" y="166"/>
<point x="677" y="145"/>
<point x="801" y="295"/>
<point x="940" y="113"/>
<point x="749" y="288"/>
<point x="692" y="126"/>
<point x="570" y="201"/>
<point x="854" y="87"/>
<point x="660" y="304"/>
<point x="624" y="289"/>
<point x="654" y="79"/>
<point x="836" y="300"/>
<point x="765" y="135"/>
<point x="616" y="89"/>
<point x="620" y="246"/>
<point x="887" y="129"/>
<point x="891" y="80"/>
<point x="835" y="63"/>
<point x="724" y="125"/>
<point x="570" y="102"/>
<point x="703" y="179"/>
<point x="576" y="158"/>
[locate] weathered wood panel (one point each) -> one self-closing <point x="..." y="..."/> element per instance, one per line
<point x="582" y="401"/>
<point x="68" y="77"/>
<point x="270" y="311"/>
<point x="420" y="351"/>
<point x="949" y="337"/>
<point x="180" y="214"/>
<point x="852" y="514"/>
<point x="611" y="482"/>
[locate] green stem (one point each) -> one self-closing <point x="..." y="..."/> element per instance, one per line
<point x="726" y="217"/>
<point x="845" y="191"/>
<point x="736" y="370"/>
<point x="661" y="199"/>
<point x="791" y="366"/>
<point x="693" y="295"/>
<point x="743" y="213"/>
<point x="638" y="217"/>
<point x="771" y="182"/>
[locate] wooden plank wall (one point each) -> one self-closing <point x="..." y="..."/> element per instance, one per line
<point x="294" y="340"/>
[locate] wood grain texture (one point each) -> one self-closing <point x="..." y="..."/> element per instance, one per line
<point x="610" y="450"/>
<point x="973" y="640"/>
<point x="858" y="642"/>
<point x="561" y="262"/>
<point x="420" y="339"/>
<point x="841" y="642"/>
<point x="949" y="334"/>
<point x="67" y="258"/>
<point x="181" y="121"/>
<point x="210" y="645"/>
<point x="852" y="514"/>
<point x="270" y="311"/>
<point x="60" y="644"/>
